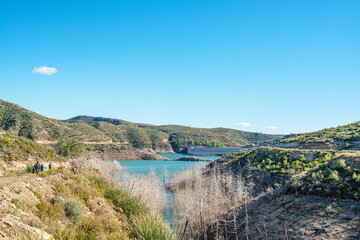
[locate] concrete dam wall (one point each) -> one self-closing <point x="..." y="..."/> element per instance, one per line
<point x="208" y="151"/>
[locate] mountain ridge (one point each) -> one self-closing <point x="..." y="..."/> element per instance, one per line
<point x="87" y="129"/>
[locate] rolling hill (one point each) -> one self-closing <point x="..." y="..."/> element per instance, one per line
<point x="22" y="122"/>
<point x="100" y="131"/>
<point x="176" y="136"/>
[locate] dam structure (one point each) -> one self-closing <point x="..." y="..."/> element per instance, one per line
<point x="209" y="151"/>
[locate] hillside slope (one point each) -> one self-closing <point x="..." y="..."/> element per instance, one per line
<point x="146" y="135"/>
<point x="340" y="138"/>
<point x="63" y="205"/>
<point x="13" y="148"/>
<point x="295" y="194"/>
<point x="22" y="122"/>
<point x="122" y="134"/>
<point x="319" y="172"/>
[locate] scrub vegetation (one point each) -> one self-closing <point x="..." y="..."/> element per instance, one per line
<point x="14" y="148"/>
<point x="325" y="173"/>
<point x="341" y="138"/>
<point x="88" y="203"/>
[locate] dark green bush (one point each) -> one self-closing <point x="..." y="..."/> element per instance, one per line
<point x="73" y="211"/>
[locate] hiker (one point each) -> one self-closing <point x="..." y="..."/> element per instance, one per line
<point x="42" y="167"/>
<point x="50" y="166"/>
<point x="37" y="167"/>
<point x="34" y="169"/>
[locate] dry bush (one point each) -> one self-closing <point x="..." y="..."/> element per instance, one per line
<point x="202" y="199"/>
<point x="148" y="188"/>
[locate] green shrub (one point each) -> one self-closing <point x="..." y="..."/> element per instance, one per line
<point x="334" y="176"/>
<point x="69" y="147"/>
<point x="73" y="211"/>
<point x="90" y="229"/>
<point x="121" y="198"/>
<point x="356" y="177"/>
<point x="29" y="168"/>
<point x="151" y="226"/>
<point x="341" y="165"/>
<point x="52" y="212"/>
<point x="130" y="205"/>
<point x="357" y="196"/>
<point x="145" y="224"/>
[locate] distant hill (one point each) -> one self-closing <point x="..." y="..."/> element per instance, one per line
<point x="339" y="138"/>
<point x="22" y="122"/>
<point x="101" y="131"/>
<point x="142" y="135"/>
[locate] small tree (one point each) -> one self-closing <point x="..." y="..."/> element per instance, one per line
<point x="341" y="165"/>
<point x="69" y="147"/>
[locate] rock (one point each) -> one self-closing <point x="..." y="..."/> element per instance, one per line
<point x="11" y="227"/>
<point x="192" y="159"/>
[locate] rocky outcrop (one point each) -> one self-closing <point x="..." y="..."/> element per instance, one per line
<point x="123" y="155"/>
<point x="308" y="145"/>
<point x="10" y="224"/>
<point x="25" y="203"/>
<point x="192" y="159"/>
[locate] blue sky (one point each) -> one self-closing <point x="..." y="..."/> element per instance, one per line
<point x="293" y="66"/>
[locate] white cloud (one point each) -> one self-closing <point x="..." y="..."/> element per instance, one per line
<point x="244" y="124"/>
<point x="271" y="127"/>
<point x="44" y="70"/>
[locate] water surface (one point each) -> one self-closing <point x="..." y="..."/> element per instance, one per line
<point x="142" y="167"/>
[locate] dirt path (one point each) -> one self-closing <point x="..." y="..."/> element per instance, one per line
<point x="6" y="180"/>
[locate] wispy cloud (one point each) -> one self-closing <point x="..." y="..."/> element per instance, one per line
<point x="271" y="127"/>
<point x="44" y="70"/>
<point x="244" y="124"/>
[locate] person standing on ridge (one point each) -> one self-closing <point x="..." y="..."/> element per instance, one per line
<point x="37" y="167"/>
<point x="50" y="166"/>
<point x="42" y="167"/>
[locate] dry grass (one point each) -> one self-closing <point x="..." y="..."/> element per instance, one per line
<point x="147" y="188"/>
<point x="200" y="200"/>
<point x="141" y="198"/>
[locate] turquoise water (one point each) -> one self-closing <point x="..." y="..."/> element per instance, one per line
<point x="142" y="167"/>
<point x="179" y="155"/>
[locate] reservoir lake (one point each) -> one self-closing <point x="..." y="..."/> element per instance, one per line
<point x="142" y="167"/>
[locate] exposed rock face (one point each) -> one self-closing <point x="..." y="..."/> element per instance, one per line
<point x="19" y="199"/>
<point x="12" y="219"/>
<point x="10" y="224"/>
<point x="123" y="155"/>
<point x="157" y="150"/>
<point x="310" y="145"/>
<point x="328" y="145"/>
